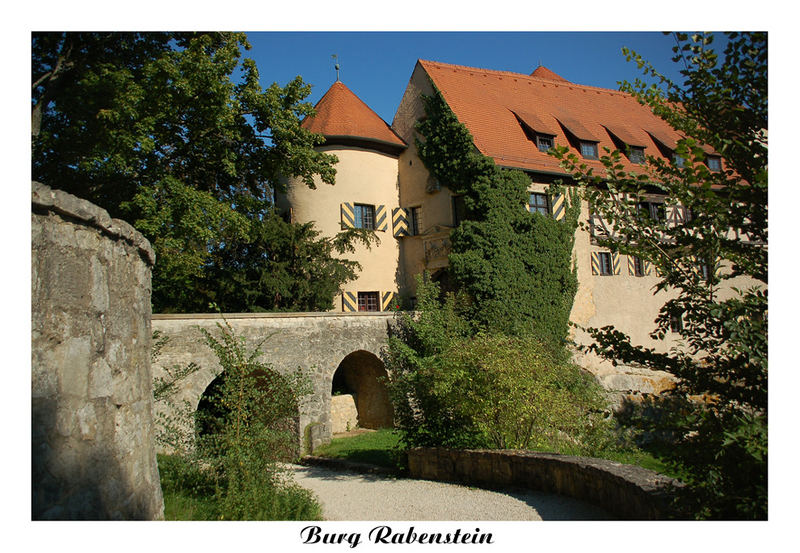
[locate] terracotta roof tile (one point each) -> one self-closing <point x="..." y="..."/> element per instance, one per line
<point x="341" y="113"/>
<point x="544" y="73"/>
<point x="494" y="105"/>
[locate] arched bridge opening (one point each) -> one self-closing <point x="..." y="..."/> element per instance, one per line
<point x="359" y="394"/>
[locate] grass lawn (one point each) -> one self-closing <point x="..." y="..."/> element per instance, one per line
<point x="181" y="506"/>
<point x="377" y="448"/>
<point x="380" y="447"/>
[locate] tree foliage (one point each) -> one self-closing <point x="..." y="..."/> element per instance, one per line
<point x="174" y="133"/>
<point x="720" y="442"/>
<point x="516" y="267"/>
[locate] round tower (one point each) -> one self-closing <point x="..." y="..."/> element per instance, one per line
<point x="365" y="194"/>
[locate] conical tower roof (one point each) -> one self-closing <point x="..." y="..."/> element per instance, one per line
<point x="342" y="117"/>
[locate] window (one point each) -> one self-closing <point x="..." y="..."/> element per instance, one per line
<point x="368" y="301"/>
<point x="364" y="216"/>
<point x="638" y="266"/>
<point x="544" y="143"/>
<point x="679" y="161"/>
<point x="636" y="154"/>
<point x="707" y="270"/>
<point x="589" y="150"/>
<point x="653" y="210"/>
<point x="604" y="262"/>
<point x="675" y="323"/>
<point x="459" y="210"/>
<point x="714" y="163"/>
<point x="413" y="215"/>
<point x="538" y="203"/>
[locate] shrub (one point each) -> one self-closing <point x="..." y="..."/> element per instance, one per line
<point x="247" y="427"/>
<point x="453" y="388"/>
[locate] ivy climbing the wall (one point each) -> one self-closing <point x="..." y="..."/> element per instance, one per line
<point x="516" y="267"/>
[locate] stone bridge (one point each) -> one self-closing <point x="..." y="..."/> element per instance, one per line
<point x="339" y="351"/>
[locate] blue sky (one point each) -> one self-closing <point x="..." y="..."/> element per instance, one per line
<point x="377" y="65"/>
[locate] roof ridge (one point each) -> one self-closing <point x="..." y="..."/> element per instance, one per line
<point x="526" y="76"/>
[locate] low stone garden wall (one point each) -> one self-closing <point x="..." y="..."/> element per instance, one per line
<point x="629" y="492"/>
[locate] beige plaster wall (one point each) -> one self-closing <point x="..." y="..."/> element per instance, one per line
<point x="365" y="177"/>
<point x="419" y="189"/>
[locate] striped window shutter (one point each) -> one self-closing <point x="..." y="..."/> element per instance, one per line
<point x="631" y="266"/>
<point x="595" y="263"/>
<point x="348" y="216"/>
<point x="388" y="300"/>
<point x="559" y="208"/>
<point x="381" y="221"/>
<point x="615" y="265"/>
<point x="399" y="222"/>
<point x="648" y="268"/>
<point x="349" y="302"/>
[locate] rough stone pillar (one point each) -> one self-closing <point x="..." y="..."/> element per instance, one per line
<point x="93" y="454"/>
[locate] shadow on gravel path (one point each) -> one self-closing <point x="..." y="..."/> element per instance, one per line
<point x="352" y="496"/>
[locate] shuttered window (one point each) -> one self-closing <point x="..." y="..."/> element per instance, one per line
<point x="364" y="216"/>
<point x="413" y="214"/>
<point x="538" y="203"/>
<point x="368" y="301"/>
<point x="605" y="263"/>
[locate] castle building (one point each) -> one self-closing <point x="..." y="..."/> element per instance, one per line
<point x="382" y="184"/>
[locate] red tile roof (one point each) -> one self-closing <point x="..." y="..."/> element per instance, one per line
<point x="340" y="113"/>
<point x="544" y="73"/>
<point x="497" y="106"/>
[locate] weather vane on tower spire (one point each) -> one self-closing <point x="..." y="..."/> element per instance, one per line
<point x="336" y="65"/>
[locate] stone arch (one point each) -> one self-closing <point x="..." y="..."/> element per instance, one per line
<point x="361" y="376"/>
<point x="208" y="411"/>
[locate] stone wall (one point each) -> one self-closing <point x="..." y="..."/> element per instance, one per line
<point x="316" y="343"/>
<point x="344" y="416"/>
<point x="92" y="424"/>
<point x="628" y="491"/>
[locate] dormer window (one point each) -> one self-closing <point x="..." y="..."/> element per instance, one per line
<point x="636" y="154"/>
<point x="544" y="143"/>
<point x="678" y="161"/>
<point x="589" y="149"/>
<point x="714" y="163"/>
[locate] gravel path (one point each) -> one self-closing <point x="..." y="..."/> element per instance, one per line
<point x="351" y="496"/>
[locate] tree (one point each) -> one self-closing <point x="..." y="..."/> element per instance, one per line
<point x="516" y="267"/>
<point x="281" y="266"/>
<point x="172" y="132"/>
<point x="719" y="441"/>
